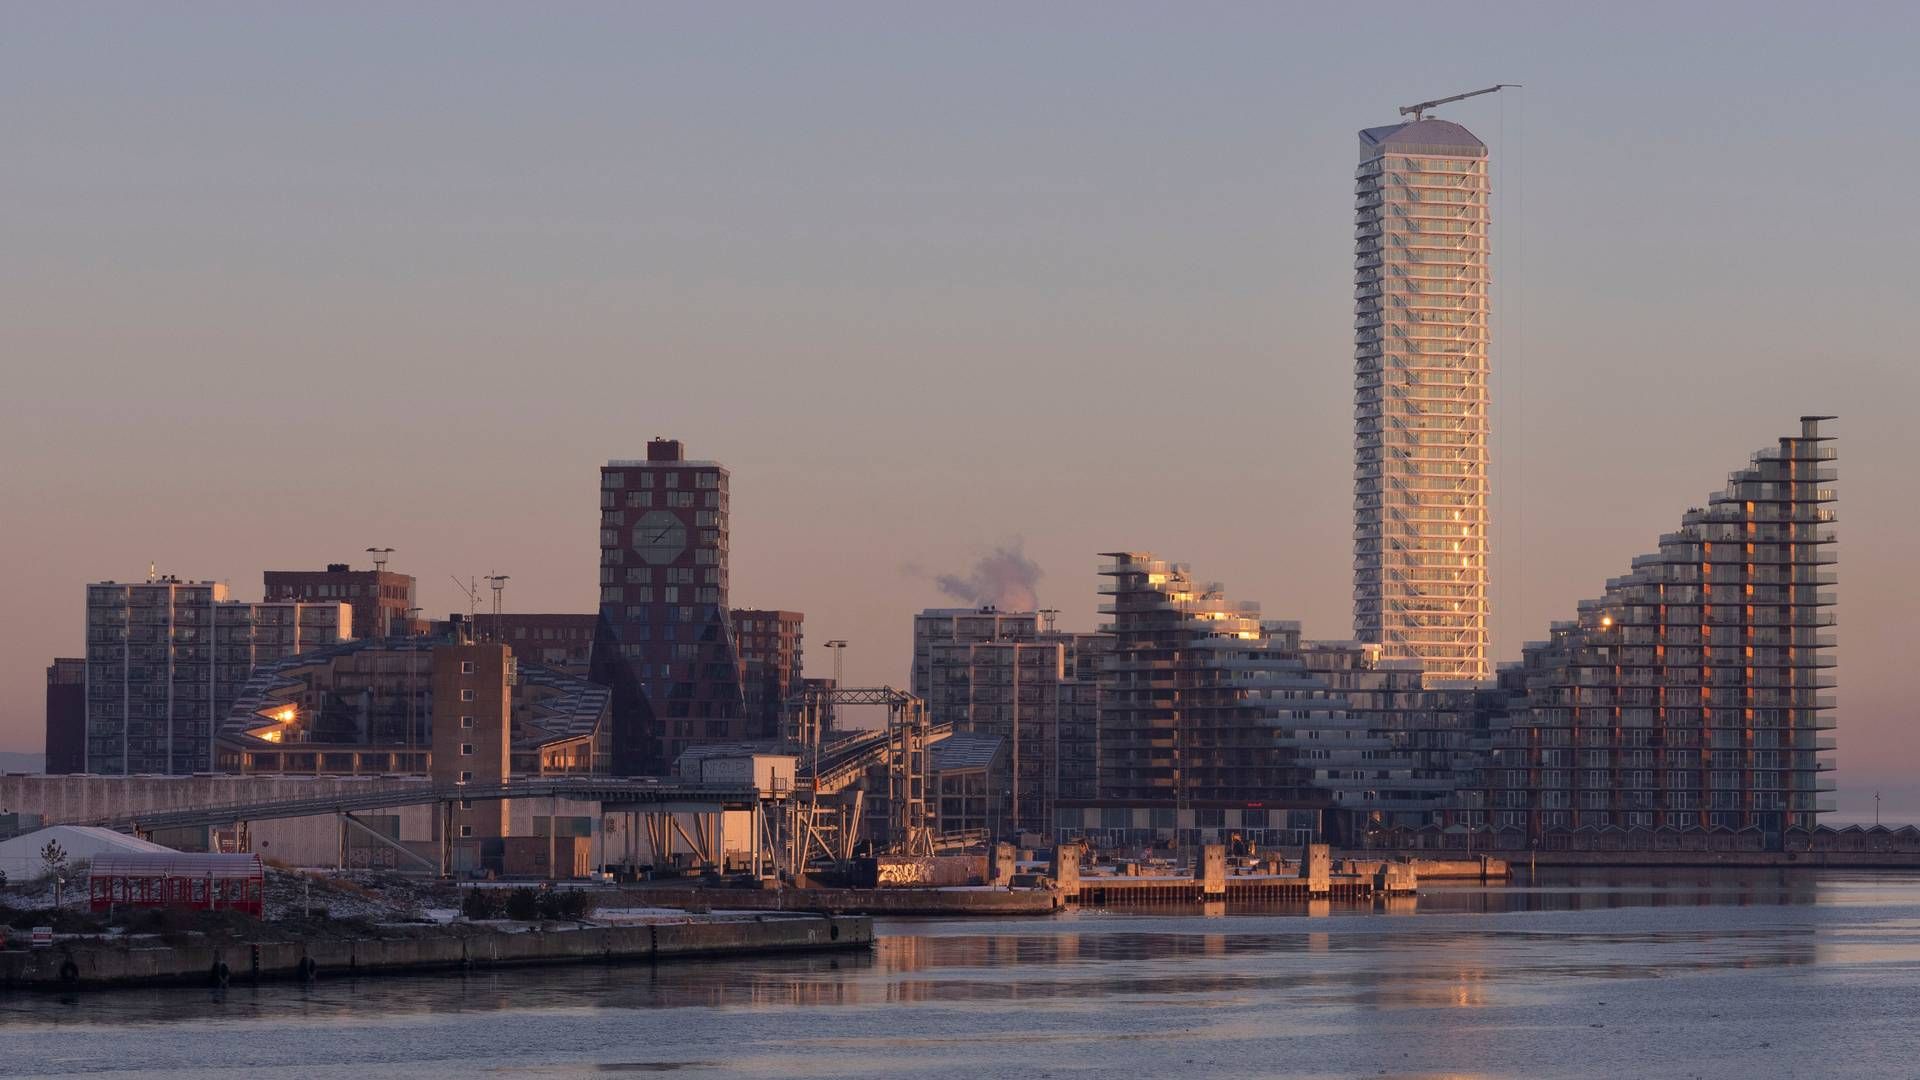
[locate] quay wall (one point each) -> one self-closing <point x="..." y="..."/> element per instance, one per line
<point x="864" y="901"/>
<point x="87" y="964"/>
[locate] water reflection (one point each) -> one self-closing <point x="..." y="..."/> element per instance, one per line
<point x="1582" y="956"/>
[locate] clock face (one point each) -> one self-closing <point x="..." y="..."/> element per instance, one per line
<point x="659" y="537"/>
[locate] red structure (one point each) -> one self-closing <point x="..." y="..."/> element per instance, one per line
<point x="204" y="882"/>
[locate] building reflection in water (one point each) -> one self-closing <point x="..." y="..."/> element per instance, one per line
<point x="1318" y="953"/>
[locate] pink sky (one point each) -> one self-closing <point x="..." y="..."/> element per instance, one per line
<point x="284" y="287"/>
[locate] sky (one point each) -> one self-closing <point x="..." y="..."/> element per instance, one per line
<point x="283" y="283"/>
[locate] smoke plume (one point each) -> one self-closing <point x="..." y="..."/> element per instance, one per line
<point x="1003" y="578"/>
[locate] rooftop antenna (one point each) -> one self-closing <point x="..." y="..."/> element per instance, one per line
<point x="380" y="557"/>
<point x="471" y="589"/>
<point x="1047" y="615"/>
<point x="153" y="571"/>
<point x="499" y="583"/>
<point x="1419" y="112"/>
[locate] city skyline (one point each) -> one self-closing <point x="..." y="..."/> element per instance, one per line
<point x="476" y="422"/>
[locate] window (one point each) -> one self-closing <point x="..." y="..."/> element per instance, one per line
<point x="466" y="804"/>
<point x="466" y="749"/>
<point x="466" y="667"/>
<point x="466" y="695"/>
<point x="466" y="723"/>
<point x="466" y="830"/>
<point x="466" y="777"/>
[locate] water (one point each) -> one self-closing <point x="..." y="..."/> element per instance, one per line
<point x="1746" y="975"/>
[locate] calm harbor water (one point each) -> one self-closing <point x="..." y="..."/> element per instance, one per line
<point x="1675" y="973"/>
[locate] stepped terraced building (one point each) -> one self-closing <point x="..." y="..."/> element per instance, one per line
<point x="1695" y="693"/>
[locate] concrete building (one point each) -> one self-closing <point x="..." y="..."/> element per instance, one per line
<point x="472" y="724"/>
<point x="1003" y="674"/>
<point x="1696" y="692"/>
<point x="664" y="641"/>
<point x="1205" y="710"/>
<point x="365" y="708"/>
<point x="1398" y="754"/>
<point x="770" y="645"/>
<point x="1421" y="307"/>
<point x="164" y="658"/>
<point x="66" y="748"/>
<point x="561" y="642"/>
<point x="969" y="774"/>
<point x="381" y="599"/>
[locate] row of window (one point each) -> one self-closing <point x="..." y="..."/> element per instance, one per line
<point x="702" y="478"/>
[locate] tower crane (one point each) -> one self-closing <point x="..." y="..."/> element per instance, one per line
<point x="1419" y="111"/>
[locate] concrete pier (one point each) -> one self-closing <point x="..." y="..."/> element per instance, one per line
<point x="76" y="965"/>
<point x="959" y="902"/>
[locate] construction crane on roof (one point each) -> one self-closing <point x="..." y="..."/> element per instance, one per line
<point x="1419" y="111"/>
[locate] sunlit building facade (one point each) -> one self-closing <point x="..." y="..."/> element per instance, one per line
<point x="1695" y="695"/>
<point x="165" y="657"/>
<point x="1421" y="306"/>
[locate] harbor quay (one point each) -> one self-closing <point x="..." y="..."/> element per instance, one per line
<point x="203" y="959"/>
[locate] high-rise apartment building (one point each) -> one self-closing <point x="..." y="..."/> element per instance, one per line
<point x="1695" y="693"/>
<point x="381" y="598"/>
<point x="771" y="661"/>
<point x="164" y="658"/>
<point x="999" y="673"/>
<point x="664" y="641"/>
<point x="1421" y="307"/>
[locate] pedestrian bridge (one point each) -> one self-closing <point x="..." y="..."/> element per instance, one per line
<point x="614" y="794"/>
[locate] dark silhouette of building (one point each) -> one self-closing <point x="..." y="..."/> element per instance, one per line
<point x="67" y="715"/>
<point x="769" y="643"/>
<point x="558" y="641"/>
<point x="664" y="643"/>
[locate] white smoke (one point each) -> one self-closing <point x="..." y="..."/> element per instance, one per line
<point x="1003" y="578"/>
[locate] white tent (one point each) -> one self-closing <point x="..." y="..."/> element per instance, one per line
<point x="20" y="856"/>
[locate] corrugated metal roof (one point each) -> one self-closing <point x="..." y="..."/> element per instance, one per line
<point x="190" y="864"/>
<point x="963" y="750"/>
<point x="570" y="708"/>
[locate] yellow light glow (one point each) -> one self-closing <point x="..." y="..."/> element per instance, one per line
<point x="1606" y="621"/>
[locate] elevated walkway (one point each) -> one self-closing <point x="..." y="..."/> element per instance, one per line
<point x="613" y="793"/>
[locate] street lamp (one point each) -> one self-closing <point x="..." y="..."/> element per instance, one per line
<point x="838" y="646"/>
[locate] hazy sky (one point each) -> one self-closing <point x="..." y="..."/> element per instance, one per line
<point x="282" y="283"/>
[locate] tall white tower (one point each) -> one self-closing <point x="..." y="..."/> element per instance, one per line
<point x="1421" y="276"/>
